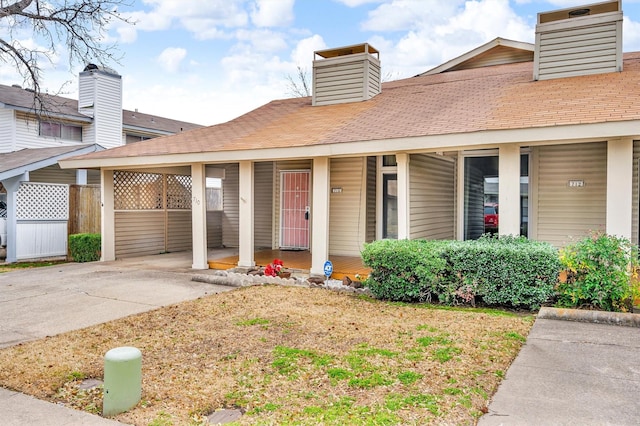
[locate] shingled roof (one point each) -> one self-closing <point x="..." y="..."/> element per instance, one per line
<point x="502" y="97"/>
<point x="57" y="106"/>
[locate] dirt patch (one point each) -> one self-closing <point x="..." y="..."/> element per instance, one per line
<point x="285" y="354"/>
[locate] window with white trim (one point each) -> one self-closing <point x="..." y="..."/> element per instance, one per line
<point x="59" y="130"/>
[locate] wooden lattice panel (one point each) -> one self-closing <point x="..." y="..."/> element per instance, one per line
<point x="178" y="192"/>
<point x="42" y="201"/>
<point x="137" y="191"/>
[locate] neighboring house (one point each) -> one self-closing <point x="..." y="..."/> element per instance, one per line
<point x="549" y="132"/>
<point x="34" y="137"/>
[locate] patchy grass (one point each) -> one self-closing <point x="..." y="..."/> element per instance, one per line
<point x="285" y="355"/>
<point x="8" y="267"/>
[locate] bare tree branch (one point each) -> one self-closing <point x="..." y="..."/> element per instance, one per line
<point x="78" y="27"/>
<point x="299" y="86"/>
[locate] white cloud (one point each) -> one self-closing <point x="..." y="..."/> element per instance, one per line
<point x="440" y="32"/>
<point x="302" y="54"/>
<point x="205" y="19"/>
<point x="631" y="35"/>
<point x="263" y="40"/>
<point x="171" y="58"/>
<point x="406" y="15"/>
<point x="356" y="3"/>
<point x="127" y="34"/>
<point x="270" y="13"/>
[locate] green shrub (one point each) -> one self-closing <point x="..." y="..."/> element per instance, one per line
<point x="505" y="271"/>
<point x="404" y="270"/>
<point x="85" y="247"/>
<point x="598" y="273"/>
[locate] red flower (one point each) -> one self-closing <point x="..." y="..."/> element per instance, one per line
<point x="273" y="269"/>
<point x="269" y="271"/>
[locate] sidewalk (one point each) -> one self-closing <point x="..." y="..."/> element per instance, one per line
<point x="571" y="373"/>
<point x="17" y="409"/>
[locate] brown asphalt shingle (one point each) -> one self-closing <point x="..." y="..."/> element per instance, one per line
<point x="490" y="98"/>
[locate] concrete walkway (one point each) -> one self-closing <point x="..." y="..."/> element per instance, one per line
<point x="571" y="373"/>
<point x="41" y="302"/>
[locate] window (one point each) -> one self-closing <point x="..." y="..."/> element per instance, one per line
<point x="481" y="195"/>
<point x="214" y="194"/>
<point x="61" y="131"/>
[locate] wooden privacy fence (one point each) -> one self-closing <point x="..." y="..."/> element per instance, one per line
<point x="84" y="209"/>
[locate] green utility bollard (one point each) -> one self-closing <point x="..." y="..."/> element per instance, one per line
<point x="122" y="380"/>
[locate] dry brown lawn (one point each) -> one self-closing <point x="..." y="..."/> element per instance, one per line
<point x="285" y="355"/>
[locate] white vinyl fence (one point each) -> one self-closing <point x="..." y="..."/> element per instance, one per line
<point x="42" y="212"/>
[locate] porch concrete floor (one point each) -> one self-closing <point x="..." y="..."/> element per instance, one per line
<point x="297" y="260"/>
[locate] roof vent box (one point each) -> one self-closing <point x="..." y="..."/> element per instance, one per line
<point x="581" y="40"/>
<point x="346" y="74"/>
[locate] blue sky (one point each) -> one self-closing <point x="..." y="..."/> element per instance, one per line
<point x="208" y="61"/>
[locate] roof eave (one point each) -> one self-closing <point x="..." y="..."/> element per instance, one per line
<point x="80" y="117"/>
<point x="7" y="174"/>
<point x="453" y="141"/>
<point x="147" y="130"/>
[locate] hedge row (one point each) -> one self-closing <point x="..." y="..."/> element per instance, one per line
<point x="85" y="247"/>
<point x="506" y="271"/>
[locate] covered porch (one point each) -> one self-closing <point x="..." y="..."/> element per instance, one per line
<point x="295" y="260"/>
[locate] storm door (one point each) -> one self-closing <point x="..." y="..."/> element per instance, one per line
<point x="294" y="209"/>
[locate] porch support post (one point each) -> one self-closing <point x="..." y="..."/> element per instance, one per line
<point x="108" y="225"/>
<point x="246" y="234"/>
<point x="199" y="216"/>
<point x="12" y="185"/>
<point x="619" y="187"/>
<point x="509" y="189"/>
<point x="402" y="162"/>
<point x="320" y="217"/>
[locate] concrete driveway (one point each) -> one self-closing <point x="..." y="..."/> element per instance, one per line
<point x="40" y="302"/>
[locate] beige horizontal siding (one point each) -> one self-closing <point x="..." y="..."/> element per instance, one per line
<point x="578" y="51"/>
<point x="636" y="188"/>
<point x="342" y="80"/>
<point x="432" y="202"/>
<point x="263" y="208"/>
<point x="231" y="206"/>
<point x="371" y="198"/>
<point x="214" y="229"/>
<point x="497" y="56"/>
<point x="179" y="232"/>
<point x="139" y="233"/>
<point x="565" y="213"/>
<point x="347" y="209"/>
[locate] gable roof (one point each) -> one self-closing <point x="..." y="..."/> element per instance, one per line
<point x="414" y="113"/>
<point x="496" y="52"/>
<point x="29" y="159"/>
<point x="17" y="98"/>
